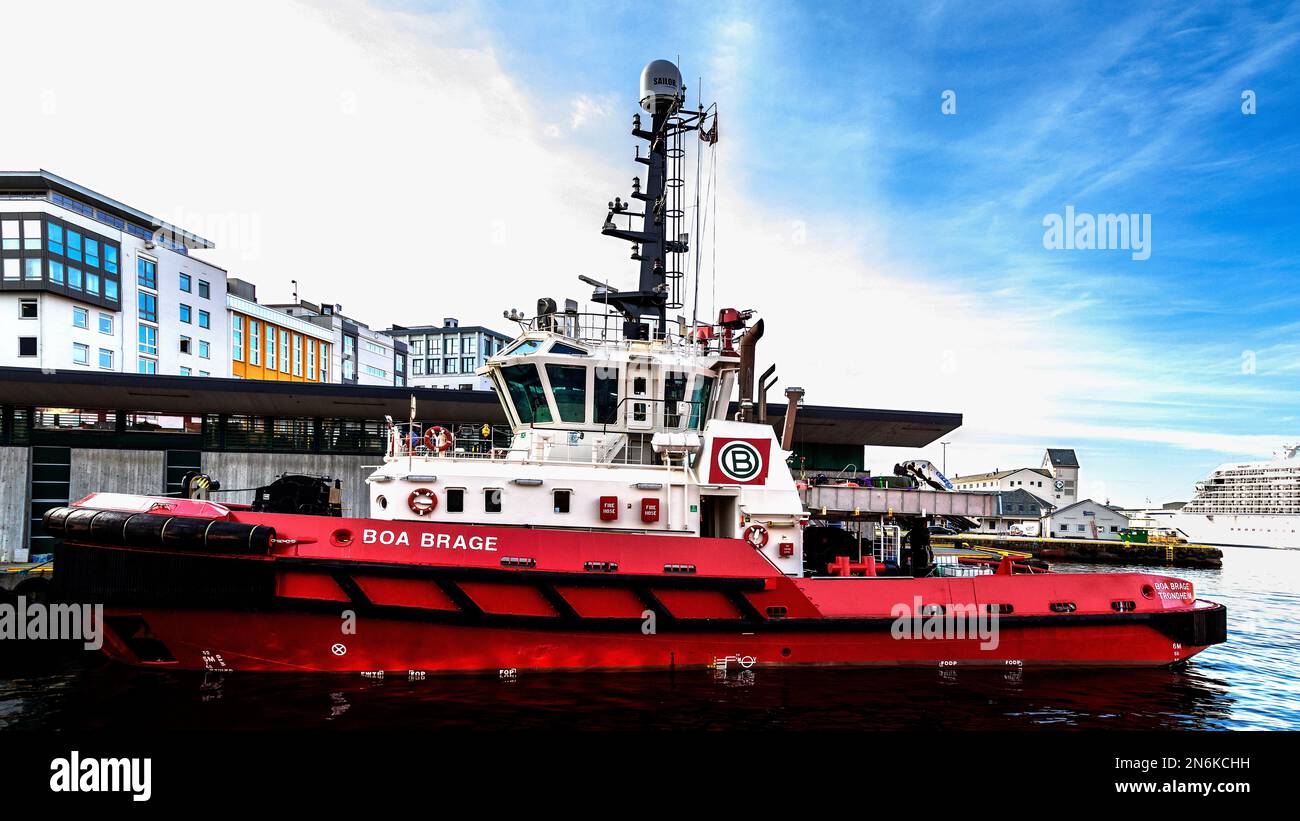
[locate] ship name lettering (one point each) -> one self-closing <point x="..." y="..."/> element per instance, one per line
<point x="445" y="541"/>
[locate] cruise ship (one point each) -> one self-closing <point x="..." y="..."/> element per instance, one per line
<point x="1251" y="504"/>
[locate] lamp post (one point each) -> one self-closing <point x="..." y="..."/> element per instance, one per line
<point x="945" y="457"/>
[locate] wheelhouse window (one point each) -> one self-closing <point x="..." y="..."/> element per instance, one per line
<point x="674" y="393"/>
<point x="569" y="386"/>
<point x="491" y="500"/>
<point x="455" y="500"/>
<point x="606" y="395"/>
<point x="700" y="398"/>
<point x="562" y="499"/>
<point x="524" y="384"/>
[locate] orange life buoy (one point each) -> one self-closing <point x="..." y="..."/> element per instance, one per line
<point x="422" y="502"/>
<point x="756" y="535"/>
<point x="438" y="439"/>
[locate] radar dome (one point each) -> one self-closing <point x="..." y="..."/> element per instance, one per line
<point x="661" y="85"/>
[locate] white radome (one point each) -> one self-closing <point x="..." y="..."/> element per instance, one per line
<point x="661" y="84"/>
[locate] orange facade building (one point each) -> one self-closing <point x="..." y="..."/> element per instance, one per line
<point x="270" y="345"/>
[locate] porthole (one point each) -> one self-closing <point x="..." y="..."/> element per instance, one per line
<point x="383" y="502"/>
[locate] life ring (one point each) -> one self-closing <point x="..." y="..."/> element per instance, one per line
<point x="756" y="535"/>
<point x="438" y="439"/>
<point x="422" y="501"/>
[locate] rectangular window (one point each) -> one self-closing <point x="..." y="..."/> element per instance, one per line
<point x="205" y="319"/>
<point x="237" y="338"/>
<point x="110" y="259"/>
<point x="455" y="500"/>
<point x="11" y="267"/>
<point x="80" y="353"/>
<point x="147" y="366"/>
<point x="56" y="271"/>
<point x="700" y="399"/>
<point x="32" y="270"/>
<point x="92" y="283"/>
<point x="561" y="501"/>
<point x="186" y="314"/>
<point x="205" y="289"/>
<point x="106" y="324"/>
<point x="186" y="371"/>
<point x="27" y="346"/>
<point x="54" y="239"/>
<point x="435" y="346"/>
<point x="374" y="348"/>
<point x="92" y="253"/>
<point x="270" y="347"/>
<point x="110" y="290"/>
<point x="74" y="246"/>
<point x="9" y="239"/>
<point x="148" y="340"/>
<point x="470" y="345"/>
<point x="106" y="359"/>
<point x="185" y="283"/>
<point x="435" y="366"/>
<point x="491" y="500"/>
<point x="417" y="367"/>
<point x="569" y="387"/>
<point x="450" y="365"/>
<point x="378" y="373"/>
<point x="284" y="351"/>
<point x="80" y="317"/>
<point x="254" y="342"/>
<point x="186" y="345"/>
<point x="674" y="393"/>
<point x="32" y="235"/>
<point x="297" y="355"/>
<point x="205" y="350"/>
<point x="417" y="346"/>
<point x="311" y="361"/>
<point x="324" y="362"/>
<point x="146" y="272"/>
<point x="606" y="398"/>
<point x="28" y="309"/>
<point x="148" y="305"/>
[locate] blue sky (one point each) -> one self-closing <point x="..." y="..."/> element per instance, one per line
<point x="1132" y="108"/>
<point x="896" y="252"/>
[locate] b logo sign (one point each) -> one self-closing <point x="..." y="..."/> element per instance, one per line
<point x="739" y="461"/>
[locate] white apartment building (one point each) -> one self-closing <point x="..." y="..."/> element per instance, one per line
<point x="1085" y="519"/>
<point x="1056" y="481"/>
<point x="447" y="355"/>
<point x="89" y="283"/>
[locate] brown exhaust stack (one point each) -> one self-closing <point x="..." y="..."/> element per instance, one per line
<point x="747" y="345"/>
<point x="765" y="383"/>
<point x="792" y="395"/>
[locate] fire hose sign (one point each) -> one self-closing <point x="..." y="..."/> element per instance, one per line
<point x="739" y="461"/>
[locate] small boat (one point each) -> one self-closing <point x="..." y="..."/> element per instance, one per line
<point x="632" y="523"/>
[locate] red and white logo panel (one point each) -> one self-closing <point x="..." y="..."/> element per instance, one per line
<point x="739" y="461"/>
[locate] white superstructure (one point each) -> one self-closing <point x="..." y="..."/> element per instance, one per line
<point x="1254" y="504"/>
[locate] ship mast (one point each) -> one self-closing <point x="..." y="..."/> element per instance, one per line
<point x="659" y="245"/>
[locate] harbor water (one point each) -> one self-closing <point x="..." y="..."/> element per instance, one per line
<point x="1251" y="682"/>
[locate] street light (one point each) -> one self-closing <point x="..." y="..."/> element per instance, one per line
<point x="945" y="457"/>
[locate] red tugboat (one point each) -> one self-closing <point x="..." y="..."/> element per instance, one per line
<point x="629" y="525"/>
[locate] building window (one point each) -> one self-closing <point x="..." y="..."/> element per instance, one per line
<point x="562" y="500"/>
<point x="186" y="345"/>
<point x="205" y="289"/>
<point x="284" y="351"/>
<point x="491" y="500"/>
<point x="453" y="346"/>
<point x="237" y="338"/>
<point x="435" y="346"/>
<point x="324" y="362"/>
<point x="270" y="347"/>
<point x="311" y="361"/>
<point x="80" y="317"/>
<point x="28" y="309"/>
<point x="435" y="367"/>
<point x="148" y="305"/>
<point x="32" y="270"/>
<point x="378" y="373"/>
<point x="9" y="237"/>
<point x="470" y="345"/>
<point x="92" y="253"/>
<point x="92" y="283"/>
<point x="106" y="359"/>
<point x="146" y="270"/>
<point x="11" y="268"/>
<point x="110" y="290"/>
<point x="297" y="355"/>
<point x="254" y="342"/>
<point x="417" y="367"/>
<point x="205" y="350"/>
<point x="455" y="500"/>
<point x="205" y="319"/>
<point x="417" y="347"/>
<point x="27" y="346"/>
<point x="106" y="324"/>
<point x="147" y="366"/>
<point x="80" y="353"/>
<point x="466" y="364"/>
<point x="186" y="314"/>
<point x="449" y="365"/>
<point x="185" y="283"/>
<point x="54" y="241"/>
<point x="56" y="272"/>
<point x="1080" y="527"/>
<point x="110" y="259"/>
<point x="148" y="340"/>
<point x="374" y="348"/>
<point x="349" y="357"/>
